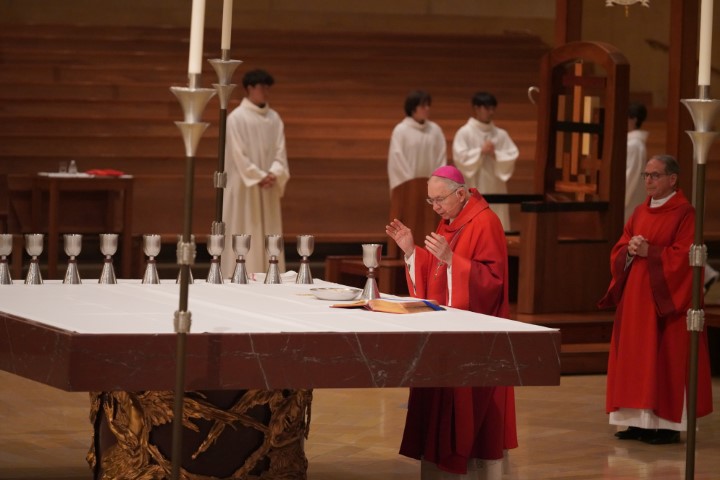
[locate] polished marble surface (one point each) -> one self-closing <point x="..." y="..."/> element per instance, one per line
<point x="94" y="337"/>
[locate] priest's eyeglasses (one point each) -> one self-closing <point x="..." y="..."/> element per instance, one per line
<point x="654" y="176"/>
<point x="439" y="200"/>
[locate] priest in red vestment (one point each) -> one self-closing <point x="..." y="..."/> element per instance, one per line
<point x="463" y="264"/>
<point x="652" y="289"/>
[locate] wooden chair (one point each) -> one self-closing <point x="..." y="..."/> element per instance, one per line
<point x="580" y="169"/>
<point x="407" y="204"/>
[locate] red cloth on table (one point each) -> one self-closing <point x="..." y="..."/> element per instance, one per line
<point x="105" y="172"/>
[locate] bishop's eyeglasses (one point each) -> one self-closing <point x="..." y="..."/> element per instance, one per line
<point x="439" y="200"/>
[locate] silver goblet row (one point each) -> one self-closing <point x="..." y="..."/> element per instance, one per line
<point x="151" y="247"/>
<point x="72" y="244"/>
<point x="273" y="246"/>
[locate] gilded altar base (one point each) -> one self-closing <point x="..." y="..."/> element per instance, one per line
<point x="249" y="434"/>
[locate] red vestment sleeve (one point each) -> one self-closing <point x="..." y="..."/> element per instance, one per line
<point x="669" y="268"/>
<point x="618" y="262"/>
<point x="479" y="277"/>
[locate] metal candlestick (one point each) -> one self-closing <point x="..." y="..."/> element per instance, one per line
<point x="108" y="247"/>
<point x="703" y="111"/>
<point x="215" y="246"/>
<point x="73" y="245"/>
<point x="372" y="253"/>
<point x="5" y="250"/>
<point x="34" y="247"/>
<point x="241" y="247"/>
<point x="151" y="248"/>
<point x="273" y="245"/>
<point x="224" y="68"/>
<point x="190" y="274"/>
<point x="305" y="247"/>
<point x="193" y="101"/>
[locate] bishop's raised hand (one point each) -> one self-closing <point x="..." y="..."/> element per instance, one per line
<point x="402" y="235"/>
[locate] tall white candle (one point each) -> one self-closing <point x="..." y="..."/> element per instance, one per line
<point x="706" y="21"/>
<point x="226" y="24"/>
<point x="197" y="24"/>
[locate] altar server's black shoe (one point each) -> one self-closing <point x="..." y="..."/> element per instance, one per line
<point x="632" y="433"/>
<point x="661" y="436"/>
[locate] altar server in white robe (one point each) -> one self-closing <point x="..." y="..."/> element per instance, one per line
<point x="417" y="144"/>
<point x="257" y="173"/>
<point x="485" y="154"/>
<point x="636" y="159"/>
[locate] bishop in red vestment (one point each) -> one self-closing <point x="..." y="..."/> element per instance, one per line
<point x="463" y="265"/>
<point x="652" y="289"/>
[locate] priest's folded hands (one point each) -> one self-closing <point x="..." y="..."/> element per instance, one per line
<point x="638" y="245"/>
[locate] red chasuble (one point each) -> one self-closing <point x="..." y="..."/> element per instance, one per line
<point x="448" y="426"/>
<point x="648" y="365"/>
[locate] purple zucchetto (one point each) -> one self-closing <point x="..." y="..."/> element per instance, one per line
<point x="450" y="172"/>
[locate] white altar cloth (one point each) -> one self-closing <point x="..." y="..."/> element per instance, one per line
<point x="131" y="307"/>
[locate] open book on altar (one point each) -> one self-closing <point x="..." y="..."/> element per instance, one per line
<point x="398" y="305"/>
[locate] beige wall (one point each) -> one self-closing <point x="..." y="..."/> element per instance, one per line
<point x="648" y="65"/>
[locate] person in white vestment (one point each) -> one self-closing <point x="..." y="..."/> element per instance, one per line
<point x="485" y="154"/>
<point x="635" y="192"/>
<point x="417" y="144"/>
<point x="257" y="173"/>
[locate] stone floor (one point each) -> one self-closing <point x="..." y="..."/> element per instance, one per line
<point x="355" y="434"/>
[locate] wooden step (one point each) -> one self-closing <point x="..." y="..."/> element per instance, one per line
<point x="585" y="338"/>
<point x="584" y="358"/>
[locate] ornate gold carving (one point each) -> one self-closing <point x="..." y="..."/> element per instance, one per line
<point x="130" y="417"/>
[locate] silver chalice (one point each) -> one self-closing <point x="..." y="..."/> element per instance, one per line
<point x="108" y="247"/>
<point x="151" y="248"/>
<point x="372" y="253"/>
<point x="274" y="246"/>
<point x="305" y="247"/>
<point x="215" y="246"/>
<point x="34" y="247"/>
<point x="73" y="245"/>
<point x="241" y="247"/>
<point x="6" y="242"/>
